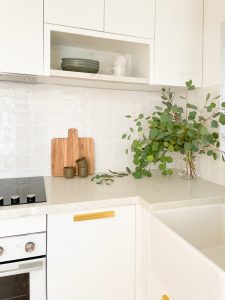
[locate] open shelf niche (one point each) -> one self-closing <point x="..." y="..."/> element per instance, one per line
<point x="101" y="48"/>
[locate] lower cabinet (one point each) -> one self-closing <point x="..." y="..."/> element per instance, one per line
<point x="91" y="255"/>
<point x="155" y="290"/>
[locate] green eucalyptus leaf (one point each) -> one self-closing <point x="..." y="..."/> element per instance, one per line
<point x="209" y="108"/>
<point x="169" y="159"/>
<point x="189" y="83"/>
<point x="180" y="110"/>
<point x="138" y="174"/>
<point x="222" y="119"/>
<point x="164" y="98"/>
<point x="189" y="105"/>
<point x="203" y="130"/>
<point x="153" y="133"/>
<point x="150" y="158"/>
<point x="134" y="144"/>
<point x="162" y="166"/>
<point x="210" y="152"/>
<point x="217" y="114"/>
<point x="208" y="97"/>
<point x="155" y="146"/>
<point x="215" y="135"/>
<point x="163" y="159"/>
<point x="128" y="170"/>
<point x="214" y="124"/>
<point x="166" y="144"/>
<point x="171" y="148"/>
<point x="192" y="115"/>
<point x="146" y="173"/>
<point x="170" y="172"/>
<point x="124" y="136"/>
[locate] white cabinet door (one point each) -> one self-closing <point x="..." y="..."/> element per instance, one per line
<point x="92" y="259"/>
<point x="155" y="290"/>
<point x="21" y="32"/>
<point x="178" y="42"/>
<point x="87" y="14"/>
<point x="130" y="17"/>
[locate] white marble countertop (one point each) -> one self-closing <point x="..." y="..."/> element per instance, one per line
<point x="156" y="192"/>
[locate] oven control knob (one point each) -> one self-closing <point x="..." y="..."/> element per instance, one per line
<point x="31" y="198"/>
<point x="1" y="251"/>
<point x="29" y="247"/>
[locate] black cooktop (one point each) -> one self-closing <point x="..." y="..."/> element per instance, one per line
<point x="16" y="191"/>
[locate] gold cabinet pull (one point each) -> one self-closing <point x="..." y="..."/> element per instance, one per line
<point x="94" y="216"/>
<point x="165" y="297"/>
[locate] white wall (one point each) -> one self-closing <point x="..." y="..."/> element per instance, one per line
<point x="31" y="115"/>
<point x="214" y="17"/>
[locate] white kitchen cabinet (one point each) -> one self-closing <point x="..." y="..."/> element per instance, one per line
<point x="155" y="290"/>
<point x="92" y="259"/>
<point x="130" y="17"/>
<point x="178" y="42"/>
<point x="87" y="14"/>
<point x="21" y="33"/>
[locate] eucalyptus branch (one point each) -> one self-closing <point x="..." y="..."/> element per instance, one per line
<point x="211" y="116"/>
<point x="174" y="129"/>
<point x="107" y="178"/>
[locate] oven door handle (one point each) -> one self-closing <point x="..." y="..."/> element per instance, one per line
<point x="23" y="268"/>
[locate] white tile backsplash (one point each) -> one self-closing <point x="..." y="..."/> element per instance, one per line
<point x="31" y="115"/>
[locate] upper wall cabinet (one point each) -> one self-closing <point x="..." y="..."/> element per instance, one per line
<point x="21" y="33"/>
<point x="178" y="42"/>
<point x="130" y="17"/>
<point x="87" y="14"/>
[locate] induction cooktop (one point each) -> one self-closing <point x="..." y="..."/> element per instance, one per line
<point x="14" y="191"/>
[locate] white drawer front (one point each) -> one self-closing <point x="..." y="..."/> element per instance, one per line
<point x="23" y="225"/>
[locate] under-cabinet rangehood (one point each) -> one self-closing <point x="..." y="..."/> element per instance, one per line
<point x="25" y="78"/>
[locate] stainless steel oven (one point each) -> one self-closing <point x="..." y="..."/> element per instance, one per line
<point x="23" y="267"/>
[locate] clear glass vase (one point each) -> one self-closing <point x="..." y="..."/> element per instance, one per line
<point x="188" y="167"/>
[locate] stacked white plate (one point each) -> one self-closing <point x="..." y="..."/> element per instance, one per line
<point x="80" y="65"/>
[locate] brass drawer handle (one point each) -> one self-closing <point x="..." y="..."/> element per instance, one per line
<point x="94" y="216"/>
<point x="165" y="297"/>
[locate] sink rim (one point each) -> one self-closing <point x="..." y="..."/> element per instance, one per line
<point x="156" y="215"/>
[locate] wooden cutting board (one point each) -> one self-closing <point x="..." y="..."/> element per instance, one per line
<point x="65" y="152"/>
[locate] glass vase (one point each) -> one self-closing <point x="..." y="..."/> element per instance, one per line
<point x="188" y="167"/>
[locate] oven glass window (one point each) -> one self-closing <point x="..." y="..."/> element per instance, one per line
<point x="15" y="287"/>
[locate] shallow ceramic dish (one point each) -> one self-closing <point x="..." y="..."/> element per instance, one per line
<point x="80" y="60"/>
<point x="84" y="69"/>
<point x="80" y="64"/>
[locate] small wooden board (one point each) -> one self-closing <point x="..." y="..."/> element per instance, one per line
<point x="65" y="152"/>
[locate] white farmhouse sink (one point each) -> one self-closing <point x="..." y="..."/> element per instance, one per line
<point x="187" y="251"/>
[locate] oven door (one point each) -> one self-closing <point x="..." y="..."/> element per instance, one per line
<point x="23" y="280"/>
